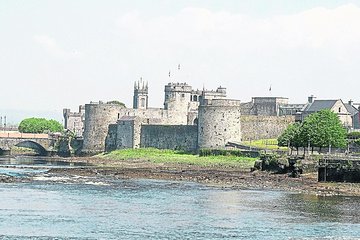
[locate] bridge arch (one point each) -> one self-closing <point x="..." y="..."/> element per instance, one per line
<point x="33" y="145"/>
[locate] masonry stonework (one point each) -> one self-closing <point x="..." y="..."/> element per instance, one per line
<point x="177" y="137"/>
<point x="263" y="127"/>
<point x="219" y="123"/>
<point x="216" y="120"/>
<point x="98" y="117"/>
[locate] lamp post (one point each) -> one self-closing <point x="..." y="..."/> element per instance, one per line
<point x="289" y="153"/>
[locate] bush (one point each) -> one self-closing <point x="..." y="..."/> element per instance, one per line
<point x="353" y="135"/>
<point x="224" y="152"/>
<point x="116" y="102"/>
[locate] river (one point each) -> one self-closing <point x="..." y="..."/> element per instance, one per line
<point x="51" y="207"/>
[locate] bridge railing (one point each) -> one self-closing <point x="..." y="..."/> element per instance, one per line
<point x="11" y="134"/>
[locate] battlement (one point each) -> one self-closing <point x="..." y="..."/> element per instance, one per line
<point x="178" y="87"/>
<point x="262" y="100"/>
<point x="74" y="121"/>
<point x="220" y="103"/>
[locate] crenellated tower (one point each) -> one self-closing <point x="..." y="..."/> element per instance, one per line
<point x="140" y="100"/>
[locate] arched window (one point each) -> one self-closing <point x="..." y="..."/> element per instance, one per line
<point x="195" y="98"/>
<point x="142" y="102"/>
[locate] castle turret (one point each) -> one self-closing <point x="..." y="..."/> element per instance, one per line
<point x="218" y="123"/>
<point x="98" y="117"/>
<point x="141" y="98"/>
<point x="177" y="97"/>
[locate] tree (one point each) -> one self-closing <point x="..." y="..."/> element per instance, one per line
<point x="116" y="102"/>
<point x="291" y="136"/>
<point x="323" y="129"/>
<point x="320" y="129"/>
<point x="39" y="125"/>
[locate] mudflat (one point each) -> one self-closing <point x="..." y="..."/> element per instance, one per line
<point x="219" y="176"/>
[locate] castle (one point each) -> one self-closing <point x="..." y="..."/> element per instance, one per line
<point x="190" y="120"/>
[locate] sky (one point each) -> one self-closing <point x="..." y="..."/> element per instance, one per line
<point x="62" y="53"/>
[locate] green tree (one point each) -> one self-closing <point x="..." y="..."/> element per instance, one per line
<point x="39" y="125"/>
<point x="116" y="102"/>
<point x="320" y="129"/>
<point x="323" y="129"/>
<point x="290" y="137"/>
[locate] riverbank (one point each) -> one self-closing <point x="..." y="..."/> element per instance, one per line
<point x="220" y="171"/>
<point x="219" y="175"/>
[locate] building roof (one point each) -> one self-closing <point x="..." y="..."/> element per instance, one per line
<point x="351" y="109"/>
<point x="319" y="105"/>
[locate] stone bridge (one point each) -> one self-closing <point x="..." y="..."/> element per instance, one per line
<point x="41" y="143"/>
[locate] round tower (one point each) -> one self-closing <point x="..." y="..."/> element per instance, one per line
<point x="98" y="116"/>
<point x="218" y="123"/>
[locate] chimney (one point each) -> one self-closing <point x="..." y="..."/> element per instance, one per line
<point x="351" y="102"/>
<point x="311" y="99"/>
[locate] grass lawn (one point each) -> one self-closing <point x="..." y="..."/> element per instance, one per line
<point x="171" y="156"/>
<point x="264" y="143"/>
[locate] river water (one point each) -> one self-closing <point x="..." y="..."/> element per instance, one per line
<point x="52" y="208"/>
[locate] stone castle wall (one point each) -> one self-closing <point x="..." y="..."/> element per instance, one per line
<point x="110" y="141"/>
<point x="263" y="127"/>
<point x="74" y="121"/>
<point x="110" y="127"/>
<point x="215" y="120"/>
<point x="177" y="137"/>
<point x="98" y="117"/>
<point x="219" y="123"/>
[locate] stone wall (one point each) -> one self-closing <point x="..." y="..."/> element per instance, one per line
<point x="74" y="121"/>
<point x="219" y="123"/>
<point x="98" y="117"/>
<point x="264" y="106"/>
<point x="110" y="141"/>
<point x="264" y="127"/>
<point x="179" y="137"/>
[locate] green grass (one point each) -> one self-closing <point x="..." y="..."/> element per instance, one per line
<point x="264" y="144"/>
<point x="171" y="156"/>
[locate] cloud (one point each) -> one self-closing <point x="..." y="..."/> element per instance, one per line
<point x="314" y="28"/>
<point x="53" y="48"/>
<point x="312" y="47"/>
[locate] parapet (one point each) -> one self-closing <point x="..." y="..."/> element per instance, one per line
<point x="220" y="102"/>
<point x="178" y="87"/>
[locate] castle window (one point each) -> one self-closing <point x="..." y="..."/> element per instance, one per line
<point x="191" y="98"/>
<point x="182" y="95"/>
<point x="195" y="98"/>
<point x="339" y="109"/>
<point x="142" y="102"/>
<point x="118" y="115"/>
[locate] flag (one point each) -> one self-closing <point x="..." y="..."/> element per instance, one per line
<point x="270" y="88"/>
<point x="179" y="67"/>
<point x="169" y="73"/>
